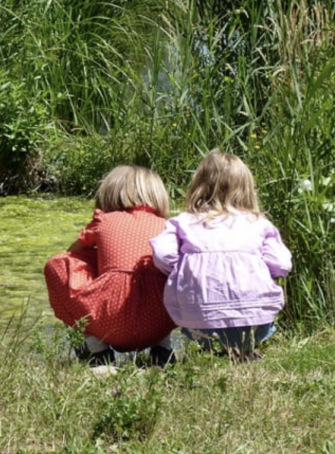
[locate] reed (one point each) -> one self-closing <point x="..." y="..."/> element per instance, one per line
<point x="160" y="84"/>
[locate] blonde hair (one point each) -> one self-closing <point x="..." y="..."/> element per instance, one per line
<point x="222" y="184"/>
<point x="128" y="186"/>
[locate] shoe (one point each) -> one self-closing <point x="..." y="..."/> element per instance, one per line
<point x="161" y="356"/>
<point x="101" y="358"/>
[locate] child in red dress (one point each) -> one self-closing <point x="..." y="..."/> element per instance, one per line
<point x="107" y="276"/>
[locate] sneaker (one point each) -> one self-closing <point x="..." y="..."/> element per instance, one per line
<point x="161" y="356"/>
<point x="101" y="358"/>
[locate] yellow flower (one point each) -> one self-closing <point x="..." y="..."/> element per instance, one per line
<point x="264" y="131"/>
<point x="174" y="125"/>
<point x="253" y="136"/>
<point x="257" y="147"/>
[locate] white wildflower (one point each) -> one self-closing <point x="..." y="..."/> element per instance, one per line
<point x="329" y="206"/>
<point x="304" y="186"/>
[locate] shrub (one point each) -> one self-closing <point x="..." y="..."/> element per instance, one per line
<point x="23" y="121"/>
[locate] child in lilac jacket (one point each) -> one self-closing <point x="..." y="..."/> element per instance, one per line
<point x="222" y="258"/>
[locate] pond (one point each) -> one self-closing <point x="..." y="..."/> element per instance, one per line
<point x="32" y="230"/>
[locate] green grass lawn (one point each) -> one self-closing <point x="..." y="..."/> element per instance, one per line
<point x="284" y="403"/>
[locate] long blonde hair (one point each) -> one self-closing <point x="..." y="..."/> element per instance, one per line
<point x="128" y="186"/>
<point x="222" y="184"/>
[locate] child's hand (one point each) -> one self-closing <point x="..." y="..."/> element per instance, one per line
<point x="77" y="246"/>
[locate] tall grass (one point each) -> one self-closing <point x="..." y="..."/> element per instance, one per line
<point x="161" y="83"/>
<point x="203" y="404"/>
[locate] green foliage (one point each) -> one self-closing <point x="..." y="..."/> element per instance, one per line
<point x="161" y="83"/>
<point x="23" y="121"/>
<point x="55" y="343"/>
<point x="78" y="165"/>
<point x="125" y="416"/>
<point x="293" y="158"/>
<point x="81" y="55"/>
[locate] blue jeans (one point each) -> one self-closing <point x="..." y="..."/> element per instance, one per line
<point x="243" y="338"/>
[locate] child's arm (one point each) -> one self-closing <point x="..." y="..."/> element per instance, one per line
<point x="88" y="236"/>
<point x="76" y="246"/>
<point x="276" y="255"/>
<point x="166" y="248"/>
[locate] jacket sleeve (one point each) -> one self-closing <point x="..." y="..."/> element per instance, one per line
<point x="276" y="255"/>
<point x="165" y="247"/>
<point x="88" y="236"/>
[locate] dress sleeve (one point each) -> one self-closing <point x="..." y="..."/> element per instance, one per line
<point x="166" y="247"/>
<point x="276" y="255"/>
<point x="88" y="236"/>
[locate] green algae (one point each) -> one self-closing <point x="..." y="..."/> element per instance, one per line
<point x="32" y="230"/>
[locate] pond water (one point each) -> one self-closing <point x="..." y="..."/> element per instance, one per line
<point x="32" y="230"/>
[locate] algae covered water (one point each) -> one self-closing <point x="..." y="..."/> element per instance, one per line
<point x="32" y="230"/>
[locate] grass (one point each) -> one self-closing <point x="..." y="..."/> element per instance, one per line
<point x="204" y="404"/>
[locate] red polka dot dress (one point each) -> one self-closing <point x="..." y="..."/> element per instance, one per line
<point x="113" y="283"/>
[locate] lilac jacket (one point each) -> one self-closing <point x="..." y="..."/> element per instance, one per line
<point x="222" y="275"/>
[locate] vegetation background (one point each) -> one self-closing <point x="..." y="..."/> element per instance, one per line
<point x="86" y="85"/>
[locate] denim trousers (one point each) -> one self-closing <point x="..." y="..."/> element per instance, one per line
<point x="243" y="338"/>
